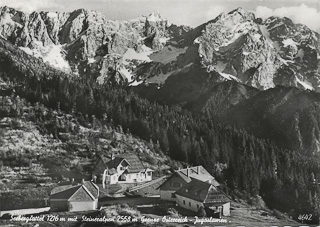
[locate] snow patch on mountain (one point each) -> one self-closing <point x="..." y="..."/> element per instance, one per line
<point x="305" y="84"/>
<point x="6" y="19"/>
<point x="232" y="40"/>
<point x="257" y="37"/>
<point x="289" y="42"/>
<point x="154" y="17"/>
<point x="286" y="62"/>
<point x="237" y="31"/>
<point x="131" y="54"/>
<point x="163" y="40"/>
<point x="52" y="54"/>
<point x="229" y="77"/>
<point x="265" y="32"/>
<point x="100" y="79"/>
<point x="52" y="15"/>
<point x="125" y="72"/>
<point x="300" y="54"/>
<point x="91" y="60"/>
<point x="136" y="83"/>
<point x="196" y="41"/>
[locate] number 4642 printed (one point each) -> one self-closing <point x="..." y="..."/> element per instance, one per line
<point x="305" y="217"/>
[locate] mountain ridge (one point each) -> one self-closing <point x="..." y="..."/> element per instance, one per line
<point x="255" y="52"/>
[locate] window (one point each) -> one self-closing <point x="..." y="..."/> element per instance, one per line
<point x="149" y="173"/>
<point x="121" y="168"/>
<point x="189" y="204"/>
<point x="184" y="202"/>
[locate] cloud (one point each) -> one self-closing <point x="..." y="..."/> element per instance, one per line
<point x="213" y="12"/>
<point x="30" y="5"/>
<point x="298" y="14"/>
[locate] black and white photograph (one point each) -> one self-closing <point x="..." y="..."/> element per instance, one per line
<point x="159" y="113"/>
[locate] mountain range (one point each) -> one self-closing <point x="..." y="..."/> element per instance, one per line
<point x="148" y="50"/>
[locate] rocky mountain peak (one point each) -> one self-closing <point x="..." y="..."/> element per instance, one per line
<point x="260" y="53"/>
<point x="238" y="15"/>
<point x="154" y="17"/>
<point x="83" y="39"/>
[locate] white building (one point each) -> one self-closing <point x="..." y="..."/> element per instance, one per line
<point x="198" y="194"/>
<point x="122" y="168"/>
<point x="75" y="197"/>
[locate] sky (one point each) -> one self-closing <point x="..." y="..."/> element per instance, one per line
<point x="181" y="12"/>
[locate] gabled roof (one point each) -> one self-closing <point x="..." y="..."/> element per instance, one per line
<point x="83" y="194"/>
<point x="135" y="164"/>
<point x="196" y="172"/>
<point x="114" y="163"/>
<point x="111" y="164"/>
<point x="78" y="192"/>
<point x="93" y="188"/>
<point x="203" y="192"/>
<point x="105" y="159"/>
<point x="66" y="193"/>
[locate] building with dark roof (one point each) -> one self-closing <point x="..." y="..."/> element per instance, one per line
<point x="181" y="177"/>
<point x="196" y="194"/>
<point x="75" y="197"/>
<point x="121" y="168"/>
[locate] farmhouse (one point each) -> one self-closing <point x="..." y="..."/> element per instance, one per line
<point x="122" y="168"/>
<point x="72" y="197"/>
<point x="196" y="194"/>
<point x="180" y="178"/>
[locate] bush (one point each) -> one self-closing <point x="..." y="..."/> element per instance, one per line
<point x="258" y="202"/>
<point x="202" y="212"/>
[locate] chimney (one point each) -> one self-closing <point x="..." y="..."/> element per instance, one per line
<point x="82" y="181"/>
<point x="94" y="179"/>
<point x="179" y="168"/>
<point x="112" y="156"/>
<point x="72" y="181"/>
<point x="187" y="171"/>
<point x="198" y="169"/>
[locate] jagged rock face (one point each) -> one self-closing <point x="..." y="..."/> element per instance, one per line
<point x="218" y="35"/>
<point x="83" y="35"/>
<point x="260" y="53"/>
<point x="156" y="31"/>
<point x="54" y="22"/>
<point x="235" y="45"/>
